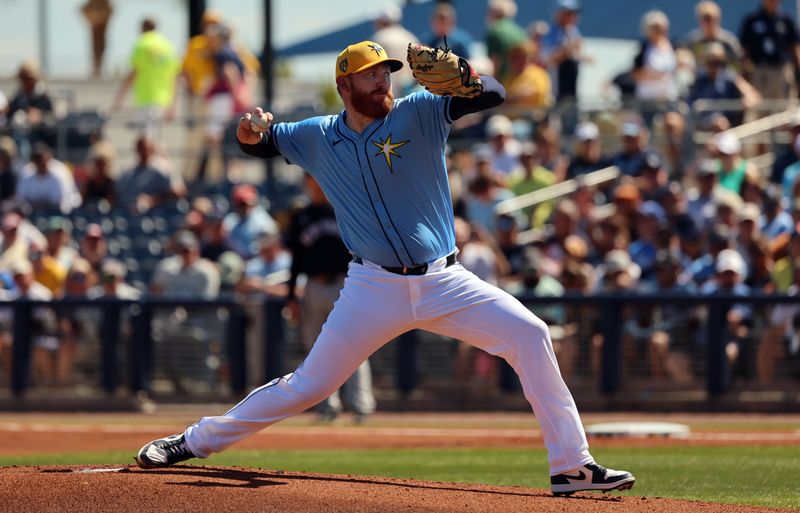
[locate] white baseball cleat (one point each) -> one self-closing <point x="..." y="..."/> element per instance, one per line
<point x="591" y="477"/>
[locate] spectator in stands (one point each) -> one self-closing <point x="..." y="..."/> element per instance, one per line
<point x="701" y="197"/>
<point x="710" y="32"/>
<point x="272" y="258"/>
<point x="561" y="50"/>
<point x="484" y="195"/>
<point x="787" y="155"/>
<point x="729" y="280"/>
<point x="112" y="282"/>
<point x="771" y="50"/>
<point x="212" y="236"/>
<point x="58" y="241"/>
<point x="652" y="176"/>
<point x="671" y="340"/>
<point x="45" y="344"/>
<point x="14" y="248"/>
<point x="532" y="177"/>
<point x="727" y="205"/>
<point x="47" y="184"/>
<point x="9" y="170"/>
<point x="715" y="82"/>
<point x="443" y="24"/>
<point x="792" y="173"/>
<point x="99" y="184"/>
<point x="3" y="111"/>
<point x="643" y="250"/>
<point x="94" y="246"/>
<point x="394" y="38"/>
<point x="502" y="34"/>
<point x="732" y="167"/>
<point x="655" y="68"/>
<point x="505" y="149"/>
<point x="747" y="232"/>
<point x="76" y="324"/>
<point x="783" y="274"/>
<point x="48" y="271"/>
<point x="186" y="275"/>
<point x="588" y="152"/>
<point x="31" y="113"/>
<point x="529" y="87"/>
<point x="548" y="149"/>
<point x="154" y="67"/>
<point x="634" y="143"/>
<point x="148" y="184"/>
<point x="97" y="14"/>
<point x="228" y="96"/>
<point x="247" y="222"/>
<point x="780" y="344"/>
<point x="776" y="220"/>
<point x="564" y="221"/>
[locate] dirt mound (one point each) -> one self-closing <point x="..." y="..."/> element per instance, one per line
<point x="214" y="489"/>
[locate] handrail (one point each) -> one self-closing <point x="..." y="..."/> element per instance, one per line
<point x="764" y="124"/>
<point x="557" y="190"/>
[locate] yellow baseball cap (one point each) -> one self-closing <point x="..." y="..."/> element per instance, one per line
<point x="361" y="56"/>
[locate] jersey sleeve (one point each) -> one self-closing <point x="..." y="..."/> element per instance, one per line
<point x="298" y="142"/>
<point x="432" y="114"/>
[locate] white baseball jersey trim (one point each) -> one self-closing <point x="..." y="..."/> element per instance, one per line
<point x="374" y="307"/>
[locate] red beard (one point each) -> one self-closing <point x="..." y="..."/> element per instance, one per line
<point x="370" y="104"/>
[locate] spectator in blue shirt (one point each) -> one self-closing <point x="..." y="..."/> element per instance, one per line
<point x="443" y="24"/>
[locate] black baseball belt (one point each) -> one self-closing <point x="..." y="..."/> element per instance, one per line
<point x="411" y="270"/>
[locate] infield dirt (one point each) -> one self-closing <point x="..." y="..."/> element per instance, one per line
<point x="214" y="489"/>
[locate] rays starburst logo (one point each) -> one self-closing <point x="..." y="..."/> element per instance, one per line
<point x="387" y="149"/>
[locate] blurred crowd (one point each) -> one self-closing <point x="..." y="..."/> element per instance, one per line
<point x="679" y="217"/>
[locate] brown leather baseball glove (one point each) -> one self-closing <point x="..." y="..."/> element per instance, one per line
<point x="442" y="72"/>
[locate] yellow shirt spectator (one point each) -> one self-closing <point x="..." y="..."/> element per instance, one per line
<point x="199" y="68"/>
<point x="156" y="66"/>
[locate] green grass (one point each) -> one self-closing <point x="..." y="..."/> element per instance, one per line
<point x="763" y="476"/>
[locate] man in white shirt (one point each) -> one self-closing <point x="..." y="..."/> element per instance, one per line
<point x="47" y="183"/>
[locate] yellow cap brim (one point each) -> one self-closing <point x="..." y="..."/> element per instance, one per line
<point x="394" y="65"/>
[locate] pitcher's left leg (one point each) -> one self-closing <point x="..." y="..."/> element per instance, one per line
<point x="464" y="307"/>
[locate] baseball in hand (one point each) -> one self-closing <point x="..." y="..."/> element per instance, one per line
<point x="260" y="123"/>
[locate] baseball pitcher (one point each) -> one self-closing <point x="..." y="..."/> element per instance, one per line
<point x="381" y="164"/>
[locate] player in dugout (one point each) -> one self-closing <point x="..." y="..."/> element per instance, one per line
<point x="381" y="164"/>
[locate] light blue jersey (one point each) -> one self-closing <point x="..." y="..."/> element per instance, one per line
<point x="388" y="185"/>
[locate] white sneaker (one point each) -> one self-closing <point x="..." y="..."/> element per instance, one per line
<point x="591" y="477"/>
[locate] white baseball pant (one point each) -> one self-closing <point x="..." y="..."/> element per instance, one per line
<point x="376" y="306"/>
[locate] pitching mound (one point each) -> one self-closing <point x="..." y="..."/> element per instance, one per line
<point x="215" y="489"/>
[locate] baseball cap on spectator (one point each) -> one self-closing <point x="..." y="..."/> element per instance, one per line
<point x="244" y="193"/>
<point x="618" y="260"/>
<point x="113" y="267"/>
<point x="568" y="5"/>
<point x="586" y="131"/>
<point x="57" y="224"/>
<point x="749" y="212"/>
<point x="730" y="260"/>
<point x="94" y="231"/>
<point x="714" y="52"/>
<point x="21" y="267"/>
<point x="499" y="125"/>
<point x="390" y="14"/>
<point x="652" y="209"/>
<point x="652" y="161"/>
<point x="707" y="167"/>
<point x="631" y="129"/>
<point x="727" y="143"/>
<point x="185" y="239"/>
<point x="231" y="267"/>
<point x="707" y="8"/>
<point x="28" y="70"/>
<point x="686" y="228"/>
